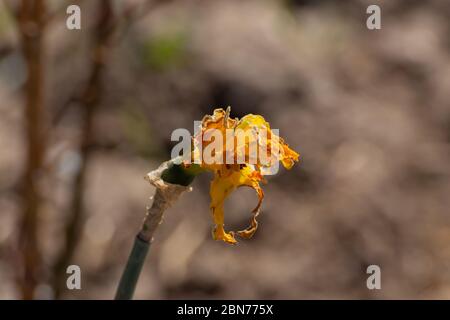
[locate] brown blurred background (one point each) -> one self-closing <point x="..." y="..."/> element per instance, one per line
<point x="85" y="114"/>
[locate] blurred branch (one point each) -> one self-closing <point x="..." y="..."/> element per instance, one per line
<point x="89" y="101"/>
<point x="30" y="15"/>
<point x="106" y="27"/>
<point x="14" y="7"/>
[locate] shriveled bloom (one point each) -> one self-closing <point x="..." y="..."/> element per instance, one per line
<point x="235" y="162"/>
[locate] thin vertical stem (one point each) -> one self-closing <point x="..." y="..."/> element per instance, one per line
<point x="136" y="260"/>
<point x="130" y="276"/>
<point x="166" y="194"/>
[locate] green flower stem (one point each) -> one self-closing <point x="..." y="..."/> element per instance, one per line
<point x="177" y="179"/>
<point x="132" y="270"/>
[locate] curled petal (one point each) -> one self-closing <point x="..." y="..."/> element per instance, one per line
<point x="256" y="150"/>
<point x="219" y="120"/>
<point x="222" y="186"/>
<point x="250" y="231"/>
<point x="265" y="138"/>
<point x="220" y="189"/>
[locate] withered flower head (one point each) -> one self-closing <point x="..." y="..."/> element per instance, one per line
<point x="237" y="164"/>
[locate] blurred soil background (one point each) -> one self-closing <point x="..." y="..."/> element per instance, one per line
<point x="85" y="114"/>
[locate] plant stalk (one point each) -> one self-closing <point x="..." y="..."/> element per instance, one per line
<point x="166" y="194"/>
<point x="141" y="246"/>
<point x="132" y="270"/>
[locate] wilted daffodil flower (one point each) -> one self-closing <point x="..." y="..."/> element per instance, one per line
<point x="239" y="153"/>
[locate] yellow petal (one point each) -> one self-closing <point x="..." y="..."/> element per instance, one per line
<point x="220" y="189"/>
<point x="227" y="177"/>
<point x="289" y="156"/>
<point x="252" y="120"/>
<point x="268" y="140"/>
<point x="250" y="231"/>
<point x="222" y="186"/>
